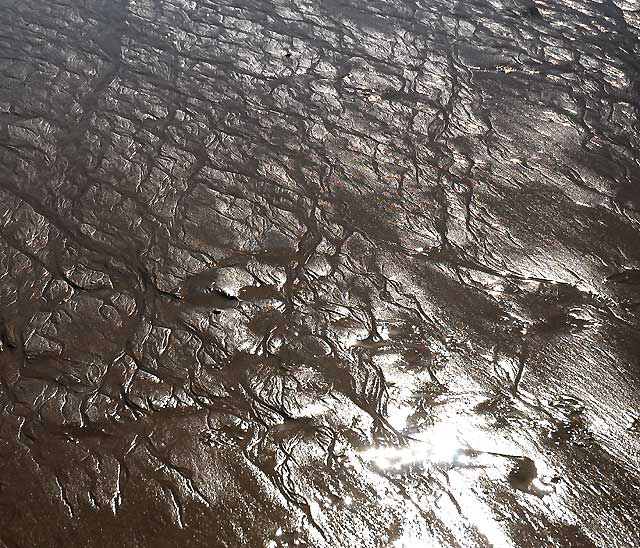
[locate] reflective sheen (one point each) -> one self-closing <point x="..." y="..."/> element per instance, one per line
<point x="319" y="273"/>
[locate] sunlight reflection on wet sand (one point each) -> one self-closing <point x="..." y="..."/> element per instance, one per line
<point x="455" y="450"/>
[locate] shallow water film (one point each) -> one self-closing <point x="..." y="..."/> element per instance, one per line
<point x="319" y="273"/>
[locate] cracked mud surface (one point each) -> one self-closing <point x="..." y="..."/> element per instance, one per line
<point x="319" y="273"/>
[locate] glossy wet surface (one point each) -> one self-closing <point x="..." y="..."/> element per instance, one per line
<point x="319" y="273"/>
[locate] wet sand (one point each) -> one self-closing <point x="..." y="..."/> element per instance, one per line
<point x="313" y="273"/>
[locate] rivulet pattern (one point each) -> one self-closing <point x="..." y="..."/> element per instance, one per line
<point x="319" y="273"/>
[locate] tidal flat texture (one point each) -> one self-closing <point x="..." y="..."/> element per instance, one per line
<point x="319" y="273"/>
